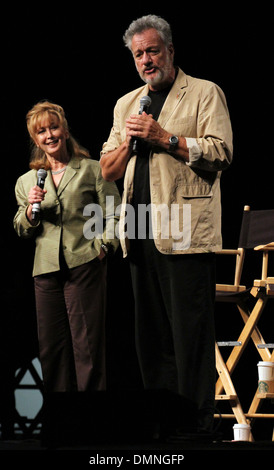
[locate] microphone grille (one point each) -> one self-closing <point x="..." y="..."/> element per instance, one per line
<point x="41" y="173"/>
<point x="145" y="101"/>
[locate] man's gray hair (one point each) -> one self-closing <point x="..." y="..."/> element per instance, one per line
<point x="148" y="22"/>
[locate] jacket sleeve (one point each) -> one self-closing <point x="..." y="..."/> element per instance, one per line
<point x="21" y="223"/>
<point x="214" y="132"/>
<point x="115" y="137"/>
<point x="109" y="199"/>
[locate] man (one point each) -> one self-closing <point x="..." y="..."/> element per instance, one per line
<point x="184" y="141"/>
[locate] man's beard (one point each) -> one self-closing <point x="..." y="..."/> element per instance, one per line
<point x="156" y="80"/>
<point x="160" y="77"/>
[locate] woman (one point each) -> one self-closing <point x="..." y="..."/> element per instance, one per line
<point x="69" y="268"/>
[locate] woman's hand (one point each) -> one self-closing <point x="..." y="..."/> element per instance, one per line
<point x="101" y="255"/>
<point x="36" y="195"/>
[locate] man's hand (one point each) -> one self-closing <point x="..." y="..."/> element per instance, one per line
<point x="145" y="127"/>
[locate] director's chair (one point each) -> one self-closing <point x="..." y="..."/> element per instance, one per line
<point x="263" y="290"/>
<point x="257" y="229"/>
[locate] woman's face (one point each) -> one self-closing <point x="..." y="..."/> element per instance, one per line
<point x="51" y="136"/>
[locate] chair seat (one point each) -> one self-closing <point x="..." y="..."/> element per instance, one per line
<point x="232" y="295"/>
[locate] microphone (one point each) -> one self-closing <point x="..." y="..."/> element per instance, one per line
<point x="41" y="176"/>
<point x="145" y="102"/>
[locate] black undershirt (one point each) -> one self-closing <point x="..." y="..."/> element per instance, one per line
<point x="141" y="185"/>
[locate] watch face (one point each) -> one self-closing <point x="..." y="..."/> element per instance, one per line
<point x="173" y="140"/>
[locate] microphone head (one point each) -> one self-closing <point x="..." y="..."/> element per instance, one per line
<point x="41" y="173"/>
<point x="145" y="101"/>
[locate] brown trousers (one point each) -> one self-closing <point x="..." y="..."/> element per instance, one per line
<point x="70" y="307"/>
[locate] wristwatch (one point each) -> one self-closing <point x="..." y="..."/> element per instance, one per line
<point x="173" y="142"/>
<point x="105" y="248"/>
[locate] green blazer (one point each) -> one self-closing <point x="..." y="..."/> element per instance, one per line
<point x="73" y="216"/>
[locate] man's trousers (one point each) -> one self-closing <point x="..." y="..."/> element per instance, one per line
<point x="175" y="338"/>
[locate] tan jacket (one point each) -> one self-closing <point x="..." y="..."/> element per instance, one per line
<point x="62" y="220"/>
<point x="194" y="108"/>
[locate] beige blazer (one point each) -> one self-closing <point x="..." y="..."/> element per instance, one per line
<point x="185" y="195"/>
<point x="67" y="216"/>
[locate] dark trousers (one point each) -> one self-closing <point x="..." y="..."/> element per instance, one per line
<point x="174" y="302"/>
<point x="70" y="308"/>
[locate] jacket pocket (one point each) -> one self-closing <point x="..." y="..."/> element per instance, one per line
<point x="182" y="126"/>
<point x="196" y="191"/>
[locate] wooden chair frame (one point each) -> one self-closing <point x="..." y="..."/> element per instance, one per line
<point x="231" y="293"/>
<point x="261" y="291"/>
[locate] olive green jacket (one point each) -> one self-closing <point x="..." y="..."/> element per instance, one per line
<point x="185" y="197"/>
<point x="67" y="220"/>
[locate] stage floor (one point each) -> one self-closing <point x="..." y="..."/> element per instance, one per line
<point x="184" y="452"/>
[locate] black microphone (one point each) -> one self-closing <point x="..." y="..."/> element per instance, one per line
<point x="145" y="102"/>
<point x="41" y="176"/>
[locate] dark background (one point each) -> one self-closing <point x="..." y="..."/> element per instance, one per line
<point x="73" y="54"/>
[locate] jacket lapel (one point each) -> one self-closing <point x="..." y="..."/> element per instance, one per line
<point x="175" y="96"/>
<point x="73" y="165"/>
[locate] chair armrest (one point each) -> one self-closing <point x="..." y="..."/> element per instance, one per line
<point x="268" y="247"/>
<point x="228" y="252"/>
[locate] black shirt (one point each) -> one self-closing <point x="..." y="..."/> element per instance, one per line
<point x="141" y="186"/>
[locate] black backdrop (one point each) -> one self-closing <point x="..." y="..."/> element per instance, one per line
<point x="74" y="55"/>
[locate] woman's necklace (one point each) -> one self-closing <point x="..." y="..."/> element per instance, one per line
<point x="58" y="171"/>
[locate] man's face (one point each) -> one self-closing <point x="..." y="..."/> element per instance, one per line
<point x="153" y="60"/>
